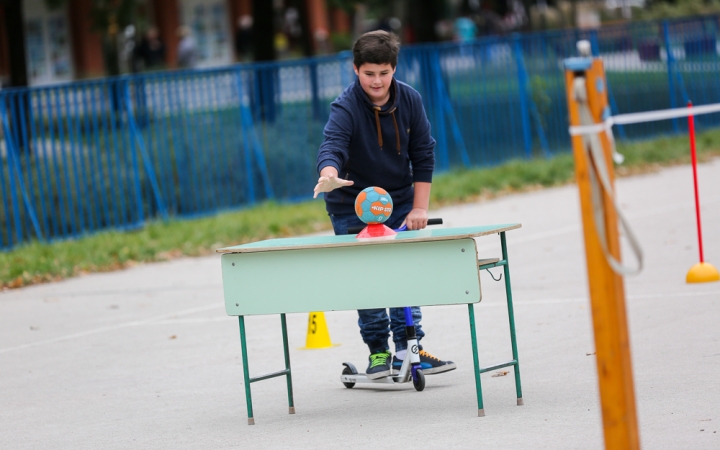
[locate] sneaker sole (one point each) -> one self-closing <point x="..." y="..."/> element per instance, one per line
<point x="376" y="375"/>
<point x="431" y="371"/>
<point x="441" y="369"/>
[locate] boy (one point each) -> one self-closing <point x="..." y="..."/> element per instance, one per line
<point x="378" y="135"/>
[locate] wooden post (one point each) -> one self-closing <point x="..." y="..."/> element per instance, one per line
<point x="607" y="295"/>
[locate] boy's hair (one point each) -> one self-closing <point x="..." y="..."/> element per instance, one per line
<point x="376" y="47"/>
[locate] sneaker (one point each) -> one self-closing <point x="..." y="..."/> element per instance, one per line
<point x="428" y="363"/>
<point x="378" y="366"/>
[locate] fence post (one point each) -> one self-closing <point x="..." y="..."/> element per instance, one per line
<point x="251" y="141"/>
<point x="249" y="179"/>
<point x="433" y="60"/>
<point x="265" y="79"/>
<point x="140" y="144"/>
<point x="443" y="98"/>
<point x="14" y="165"/>
<point x="524" y="96"/>
<point x="6" y="207"/>
<point x="11" y="177"/>
<point x="124" y="93"/>
<point x="594" y="43"/>
<point x="670" y="67"/>
<point x="314" y="89"/>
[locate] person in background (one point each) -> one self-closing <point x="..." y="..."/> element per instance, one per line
<point x="465" y="29"/>
<point x="187" y="48"/>
<point x="243" y="38"/>
<point x="150" y="52"/>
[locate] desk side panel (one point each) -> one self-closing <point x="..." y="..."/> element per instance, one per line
<point x="361" y="277"/>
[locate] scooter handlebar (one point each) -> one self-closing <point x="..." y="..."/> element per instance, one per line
<point x="356" y="230"/>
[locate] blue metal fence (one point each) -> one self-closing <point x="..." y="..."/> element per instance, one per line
<point x="115" y="152"/>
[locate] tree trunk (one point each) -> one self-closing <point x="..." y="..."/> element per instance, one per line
<point x="307" y="36"/>
<point x="263" y="30"/>
<point x="110" y="54"/>
<point x="15" y="31"/>
<point x="18" y="107"/>
<point x="422" y="15"/>
<point x="264" y="50"/>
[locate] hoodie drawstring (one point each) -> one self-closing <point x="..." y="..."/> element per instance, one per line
<point x="377" y="123"/>
<point x="397" y="133"/>
<point x="379" y="131"/>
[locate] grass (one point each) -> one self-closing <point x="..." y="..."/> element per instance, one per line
<point x="160" y="241"/>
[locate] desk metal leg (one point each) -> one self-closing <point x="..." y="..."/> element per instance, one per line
<point x="478" y="387"/>
<point x="246" y="371"/>
<point x="291" y="405"/>
<point x="511" y="318"/>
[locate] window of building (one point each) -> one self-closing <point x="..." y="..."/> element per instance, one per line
<point x="47" y="44"/>
<point x="208" y="20"/>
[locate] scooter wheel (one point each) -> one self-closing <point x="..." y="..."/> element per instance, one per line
<point x="349" y="371"/>
<point x="419" y="380"/>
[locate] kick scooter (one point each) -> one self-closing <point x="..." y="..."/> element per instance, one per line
<point x="411" y="369"/>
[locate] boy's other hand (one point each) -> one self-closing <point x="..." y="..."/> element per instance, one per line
<point x="329" y="183"/>
<point x="416" y="219"/>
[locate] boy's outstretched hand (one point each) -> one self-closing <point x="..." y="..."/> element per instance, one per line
<point x="329" y="183"/>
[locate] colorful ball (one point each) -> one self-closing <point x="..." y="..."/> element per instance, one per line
<point x="373" y="205"/>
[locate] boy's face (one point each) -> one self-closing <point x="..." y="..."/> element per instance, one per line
<point x="375" y="80"/>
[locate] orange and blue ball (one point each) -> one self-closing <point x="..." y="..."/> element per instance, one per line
<point x="373" y="205"/>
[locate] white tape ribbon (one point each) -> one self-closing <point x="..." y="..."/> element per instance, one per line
<point x="650" y="116"/>
<point x="599" y="172"/>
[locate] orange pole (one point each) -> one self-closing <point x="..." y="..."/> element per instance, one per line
<point x="607" y="293"/>
<point x="4" y="56"/>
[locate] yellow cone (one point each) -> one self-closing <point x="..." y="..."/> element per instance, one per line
<point x="318" y="335"/>
<point x="702" y="273"/>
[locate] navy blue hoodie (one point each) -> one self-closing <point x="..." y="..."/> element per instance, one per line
<point x="389" y="147"/>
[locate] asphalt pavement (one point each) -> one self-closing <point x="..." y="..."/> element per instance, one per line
<point x="147" y="358"/>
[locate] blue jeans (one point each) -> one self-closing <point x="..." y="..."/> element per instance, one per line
<point x="375" y="325"/>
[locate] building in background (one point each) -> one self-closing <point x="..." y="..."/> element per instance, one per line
<point x="62" y="45"/>
<point x="48" y="46"/>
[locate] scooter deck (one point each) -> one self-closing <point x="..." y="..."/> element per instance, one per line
<point x="393" y="378"/>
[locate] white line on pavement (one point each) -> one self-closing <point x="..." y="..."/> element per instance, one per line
<point x="167" y="319"/>
<point x="133" y="323"/>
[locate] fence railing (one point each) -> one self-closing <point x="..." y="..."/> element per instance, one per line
<point x="115" y="152"/>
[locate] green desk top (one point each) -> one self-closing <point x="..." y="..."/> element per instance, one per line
<point x="426" y="235"/>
